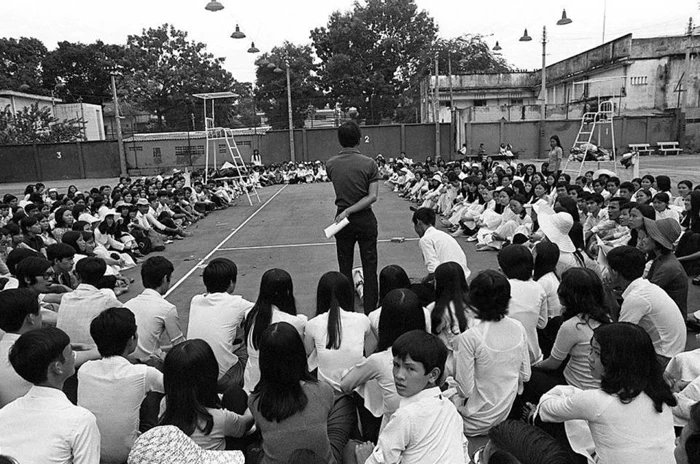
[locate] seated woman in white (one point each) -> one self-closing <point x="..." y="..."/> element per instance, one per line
<point x="518" y="223"/>
<point x="336" y="336"/>
<point x="391" y="277"/>
<point x="491" y="359"/>
<point x="275" y="304"/>
<point x="449" y="314"/>
<point x="486" y="231"/>
<point x="373" y="377"/>
<point x="629" y="416"/>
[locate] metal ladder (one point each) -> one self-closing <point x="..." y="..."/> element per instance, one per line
<point x="589" y="122"/>
<point x="241" y="169"/>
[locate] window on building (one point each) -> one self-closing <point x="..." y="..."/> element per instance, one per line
<point x="516" y="101"/>
<point x="135" y="148"/>
<point x="480" y="102"/>
<point x="243" y="143"/>
<point x="157" y="157"/>
<point x="639" y="80"/>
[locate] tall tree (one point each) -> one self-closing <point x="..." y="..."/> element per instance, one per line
<point x="20" y="64"/>
<point x="271" y="93"/>
<point x="80" y="72"/>
<point x="34" y="124"/>
<point x="369" y="54"/>
<point x="163" y="69"/>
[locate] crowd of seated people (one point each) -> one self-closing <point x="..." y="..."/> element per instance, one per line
<point x="572" y="351"/>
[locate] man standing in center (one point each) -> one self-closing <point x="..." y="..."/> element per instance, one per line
<point x="355" y="180"/>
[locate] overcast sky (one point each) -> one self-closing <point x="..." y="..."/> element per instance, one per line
<point x="271" y="22"/>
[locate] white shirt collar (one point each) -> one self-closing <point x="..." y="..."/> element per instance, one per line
<point x="432" y="392"/>
<point x="630" y="288"/>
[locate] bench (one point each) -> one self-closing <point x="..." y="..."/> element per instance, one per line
<point x="641" y="148"/>
<point x="668" y="147"/>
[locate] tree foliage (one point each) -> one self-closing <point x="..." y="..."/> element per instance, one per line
<point x="34" y="124"/>
<point x="20" y="64"/>
<point x="369" y="54"/>
<point x="80" y="72"/>
<point x="163" y="69"/>
<point x="271" y="93"/>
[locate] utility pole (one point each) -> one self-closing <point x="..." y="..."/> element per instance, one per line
<point x="289" y="115"/>
<point x="120" y="140"/>
<point x="453" y="112"/>
<point x="543" y="92"/>
<point x="436" y="108"/>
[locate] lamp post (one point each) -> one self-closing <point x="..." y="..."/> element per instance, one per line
<point x="543" y="84"/>
<point x="278" y="70"/>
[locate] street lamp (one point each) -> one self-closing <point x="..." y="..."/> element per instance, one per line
<point x="213" y="5"/>
<point x="253" y="48"/>
<point x="237" y="34"/>
<point x="543" y="90"/>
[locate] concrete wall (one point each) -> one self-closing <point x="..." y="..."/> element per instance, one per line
<point x="524" y="135"/>
<point x="42" y="162"/>
<point x="91" y="114"/>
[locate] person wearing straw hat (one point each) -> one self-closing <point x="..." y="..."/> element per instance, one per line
<point x="666" y="271"/>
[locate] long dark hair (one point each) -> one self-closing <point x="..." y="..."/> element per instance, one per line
<point x="546" y="258"/>
<point x="401" y="312"/>
<point x="276" y="289"/>
<point x="692" y="218"/>
<point x="58" y="217"/>
<point x="392" y="277"/>
<point x="450" y="287"/>
<point x="190" y="374"/>
<point x="334" y="293"/>
<point x="630" y="364"/>
<point x="283" y="368"/>
<point x="581" y="292"/>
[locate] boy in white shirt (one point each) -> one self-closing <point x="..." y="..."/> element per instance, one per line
<point x="44" y="426"/>
<point x="217" y="316"/>
<point x="426" y="427"/>
<point x="113" y="389"/>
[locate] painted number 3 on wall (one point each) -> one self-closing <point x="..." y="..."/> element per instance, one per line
<point x="58" y="155"/>
<point x="366" y="138"/>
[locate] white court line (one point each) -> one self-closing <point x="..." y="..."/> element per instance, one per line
<point x="297" y="245"/>
<point x="216" y="248"/>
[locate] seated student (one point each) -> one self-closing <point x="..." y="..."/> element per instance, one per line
<point x="660" y="204"/>
<point x="585" y="309"/>
<point x="61" y="257"/>
<point x="515" y="442"/>
<point x="36" y="274"/>
<point x="629" y="417"/>
<point x="19" y="313"/>
<point x="391" y="277"/>
<point x="275" y="303"/>
<point x="113" y="389"/>
<point x="491" y="359"/>
<point x="437" y="246"/>
<point x="43" y="426"/>
<point x="216" y="317"/>
<point x="688" y="443"/>
<point x="425" y="428"/>
<point x="192" y="404"/>
<point x="401" y="313"/>
<point x="79" y="307"/>
<point x="665" y="270"/>
<point x="688" y="251"/>
<point x="155" y="315"/>
<point x="646" y="304"/>
<point x="449" y="313"/>
<point x="337" y="337"/>
<point x="31" y="231"/>
<point x="519" y="222"/>
<point x="291" y="408"/>
<point x="528" y="303"/>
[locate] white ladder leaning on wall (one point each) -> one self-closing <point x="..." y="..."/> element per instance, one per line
<point x="601" y="119"/>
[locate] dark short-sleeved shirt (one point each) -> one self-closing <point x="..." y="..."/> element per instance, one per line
<point x="351" y="173"/>
<point x="305" y="429"/>
<point x="668" y="273"/>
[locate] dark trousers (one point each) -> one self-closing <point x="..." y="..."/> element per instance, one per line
<point x="363" y="231"/>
